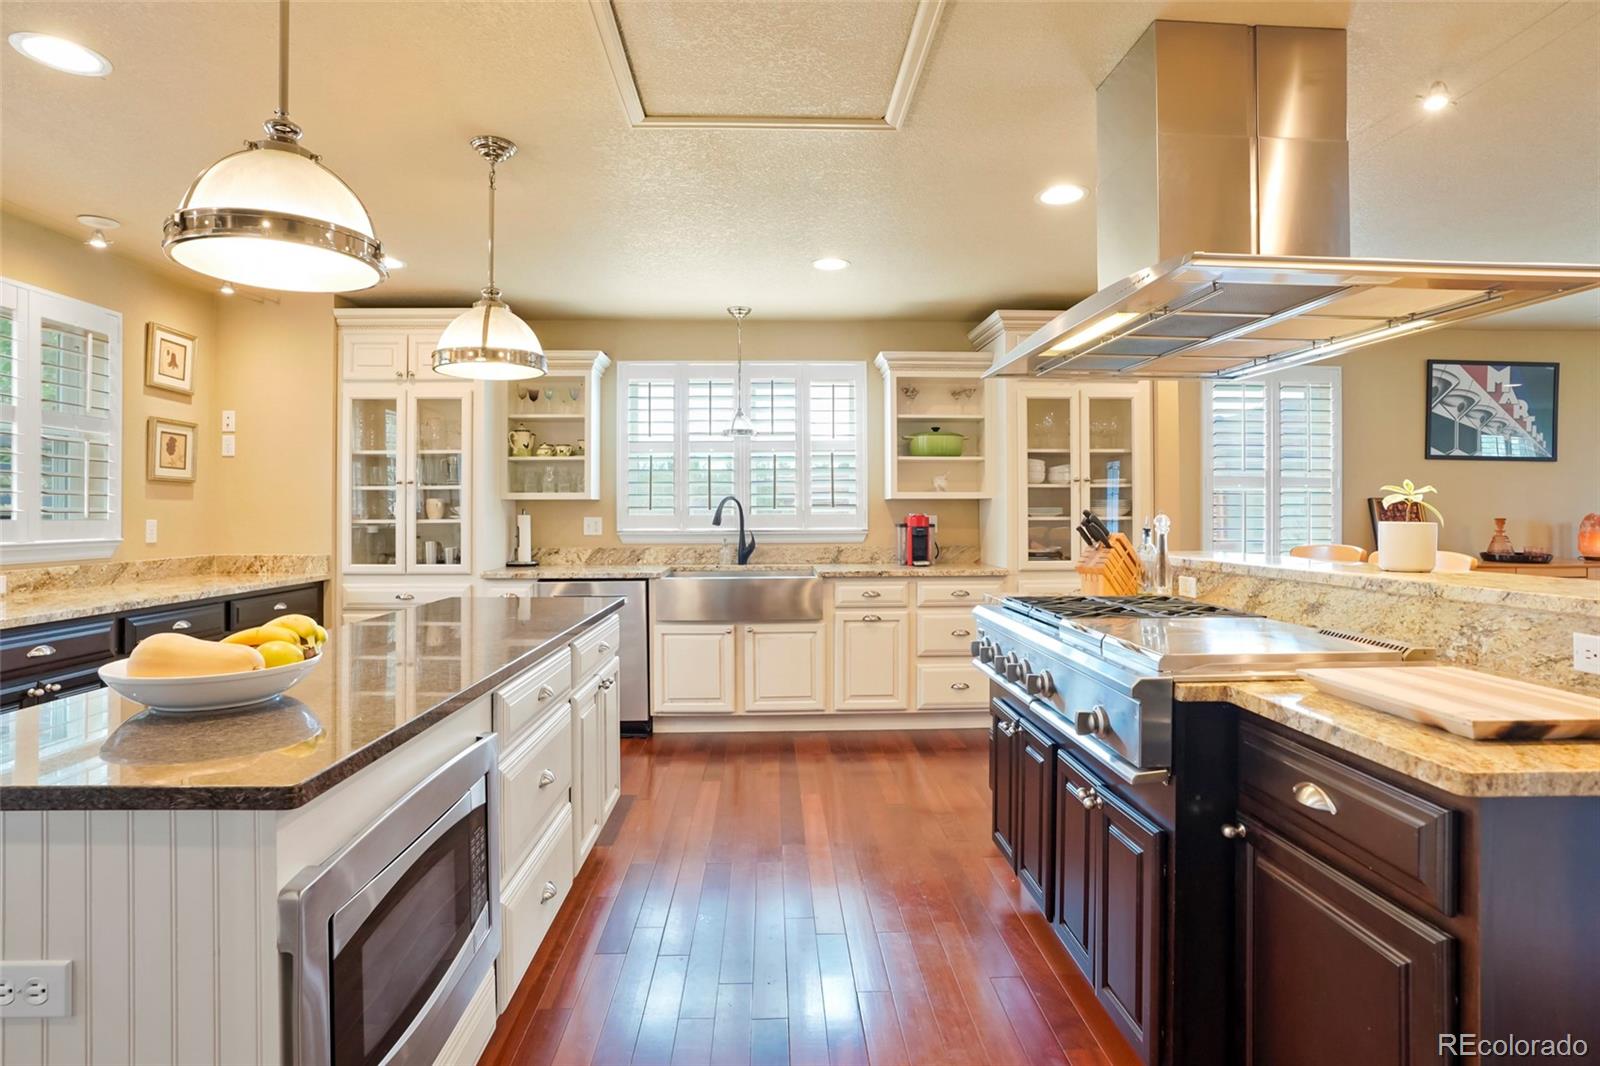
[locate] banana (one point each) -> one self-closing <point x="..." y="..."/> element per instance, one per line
<point x="254" y="638"/>
<point x="306" y="629"/>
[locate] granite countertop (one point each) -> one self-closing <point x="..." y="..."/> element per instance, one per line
<point x="98" y="751"/>
<point x="1453" y="764"/>
<point x="622" y="571"/>
<point x="82" y="592"/>
<point x="1563" y="594"/>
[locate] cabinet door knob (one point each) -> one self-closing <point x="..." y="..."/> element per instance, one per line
<point x="41" y="651"/>
<point x="1312" y="795"/>
<point x="54" y="686"/>
<point x="547" y="778"/>
<point x="959" y="686"/>
<point x="961" y="632"/>
<point x="35" y="693"/>
<point x="280" y="606"/>
<point x="183" y="623"/>
<point x="870" y="594"/>
<point x="959" y="594"/>
<point x="607" y="682"/>
<point x="1087" y="796"/>
<point x="872" y="618"/>
<point x="1006" y="728"/>
<point x="603" y="647"/>
<point x="545" y="692"/>
<point x="1234" y="832"/>
<point x="404" y="596"/>
<point x="549" y="892"/>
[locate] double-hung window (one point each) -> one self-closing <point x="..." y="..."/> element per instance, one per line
<point x="803" y="471"/>
<point x="60" y="426"/>
<point x="1271" y="463"/>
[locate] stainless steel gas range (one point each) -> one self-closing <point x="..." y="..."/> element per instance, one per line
<point x="1108" y="795"/>
<point x="1103" y="667"/>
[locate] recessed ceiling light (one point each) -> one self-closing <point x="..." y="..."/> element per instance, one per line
<point x="1437" y="98"/>
<point x="226" y="290"/>
<point x="98" y="224"/>
<point x="393" y="262"/>
<point x="829" y="262"/>
<point x="58" y="53"/>
<point x="1057" y="195"/>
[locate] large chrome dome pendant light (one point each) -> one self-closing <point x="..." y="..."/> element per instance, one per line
<point x="741" y="426"/>
<point x="272" y="216"/>
<point x="488" y="341"/>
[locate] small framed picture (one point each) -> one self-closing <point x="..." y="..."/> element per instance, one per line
<point x="168" y="358"/>
<point x="1492" y="410"/>
<point x="172" y="450"/>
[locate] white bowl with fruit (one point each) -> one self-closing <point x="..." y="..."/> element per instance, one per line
<point x="182" y="674"/>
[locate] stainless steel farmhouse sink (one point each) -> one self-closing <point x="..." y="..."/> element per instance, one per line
<point x="739" y="596"/>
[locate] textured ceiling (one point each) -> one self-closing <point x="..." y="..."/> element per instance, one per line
<point x="815" y="59"/>
<point x="938" y="218"/>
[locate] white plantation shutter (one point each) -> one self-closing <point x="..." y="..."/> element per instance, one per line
<point x="60" y="426"/>
<point x="797" y="473"/>
<point x="1271" y="465"/>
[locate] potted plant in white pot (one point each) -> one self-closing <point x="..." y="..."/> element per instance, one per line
<point x="1407" y="540"/>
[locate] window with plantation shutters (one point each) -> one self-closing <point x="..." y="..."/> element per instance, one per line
<point x="797" y="473"/>
<point x="1271" y="463"/>
<point x="60" y="426"/>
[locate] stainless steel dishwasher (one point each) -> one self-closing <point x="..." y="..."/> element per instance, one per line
<point x="635" y="650"/>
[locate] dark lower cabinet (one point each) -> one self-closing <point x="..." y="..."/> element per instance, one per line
<point x="1003" y="743"/>
<point x="1128" y="900"/>
<point x="1075" y="799"/>
<point x="1331" y="973"/>
<point x="1035" y="839"/>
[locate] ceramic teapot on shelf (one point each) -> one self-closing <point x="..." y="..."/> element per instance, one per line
<point x="519" y="442"/>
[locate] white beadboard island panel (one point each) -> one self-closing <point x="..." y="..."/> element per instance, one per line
<point x="167" y="917"/>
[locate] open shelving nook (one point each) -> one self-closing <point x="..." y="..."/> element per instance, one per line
<point x="558" y="412"/>
<point x="928" y="392"/>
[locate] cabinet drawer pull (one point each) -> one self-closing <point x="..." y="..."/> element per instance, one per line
<point x="549" y="892"/>
<point x="1087" y="796"/>
<point x="1006" y="728"/>
<point x="870" y="594"/>
<point x="54" y="686"/>
<point x="961" y="632"/>
<point x="547" y="778"/>
<point x="183" y="623"/>
<point x="402" y="596"/>
<point x="1311" y="795"/>
<point x="959" y="686"/>
<point x="35" y="693"/>
<point x="280" y="606"/>
<point x="959" y="594"/>
<point x="508" y="595"/>
<point x="872" y="618"/>
<point x="602" y="647"/>
<point x="545" y="692"/>
<point x="607" y="682"/>
<point x="1234" y="832"/>
<point x="41" y="651"/>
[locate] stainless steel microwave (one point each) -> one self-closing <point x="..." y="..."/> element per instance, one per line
<point x="385" y="943"/>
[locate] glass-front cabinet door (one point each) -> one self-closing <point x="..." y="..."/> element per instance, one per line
<point x="374" y="457"/>
<point x="1110" y="474"/>
<point x="438" y="503"/>
<point x="1049" y="423"/>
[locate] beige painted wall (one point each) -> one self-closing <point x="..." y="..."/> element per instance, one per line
<point x="560" y="523"/>
<point x="1385" y="390"/>
<point x="273" y="363"/>
<point x="34" y="255"/>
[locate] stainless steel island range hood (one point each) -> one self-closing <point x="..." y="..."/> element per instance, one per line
<point x="1232" y="138"/>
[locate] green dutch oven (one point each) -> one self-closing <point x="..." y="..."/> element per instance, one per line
<point x="935" y="444"/>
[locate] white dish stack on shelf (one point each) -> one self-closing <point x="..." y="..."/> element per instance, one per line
<point x="1036" y="471"/>
<point x="1059" y="475"/>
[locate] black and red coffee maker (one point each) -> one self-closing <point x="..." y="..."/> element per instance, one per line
<point x="918" y="543"/>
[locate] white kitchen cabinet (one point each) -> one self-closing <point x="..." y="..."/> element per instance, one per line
<point x="783" y="667"/>
<point x="561" y="410"/>
<point x="693" y="668"/>
<point x="588" y="778"/>
<point x="945" y="631"/>
<point x="951" y="684"/>
<point x="374" y="355"/>
<point x="610" y="698"/>
<point x="870" y="651"/>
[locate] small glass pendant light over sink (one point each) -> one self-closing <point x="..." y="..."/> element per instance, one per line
<point x="488" y="341"/>
<point x="272" y="216"/>
<point x="741" y="426"/>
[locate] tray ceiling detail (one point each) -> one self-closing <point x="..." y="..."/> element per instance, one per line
<point x="688" y="64"/>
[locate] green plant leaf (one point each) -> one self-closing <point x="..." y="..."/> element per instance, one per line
<point x="1426" y="488"/>
<point x="1434" y="509"/>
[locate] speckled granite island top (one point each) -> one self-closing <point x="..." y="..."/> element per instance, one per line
<point x="383" y="682"/>
<point x="1454" y="764"/>
<point x="622" y="571"/>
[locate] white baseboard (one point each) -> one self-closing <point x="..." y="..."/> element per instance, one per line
<point x="812" y="722"/>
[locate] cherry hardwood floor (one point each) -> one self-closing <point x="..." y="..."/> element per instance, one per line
<point x="802" y="898"/>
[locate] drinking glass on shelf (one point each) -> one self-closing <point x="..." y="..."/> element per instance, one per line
<point x="573" y="392"/>
<point x="547" y="478"/>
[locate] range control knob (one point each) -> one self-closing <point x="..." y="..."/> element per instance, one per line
<point x="986" y="650"/>
<point x="1016" y="669"/>
<point x="1087" y="723"/>
<point x="1039" y="684"/>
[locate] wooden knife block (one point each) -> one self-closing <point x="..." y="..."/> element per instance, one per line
<point x="1113" y="570"/>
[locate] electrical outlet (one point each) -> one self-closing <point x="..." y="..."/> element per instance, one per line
<point x="1188" y="586"/>
<point x="36" y="989"/>
<point x="149" y="530"/>
<point x="228" y="446"/>
<point x="230" y="422"/>
<point x="592" y="526"/>
<point x="1586" y="653"/>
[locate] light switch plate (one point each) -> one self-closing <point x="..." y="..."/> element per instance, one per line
<point x="229" y="421"/>
<point x="228" y="445"/>
<point x="1188" y="586"/>
<point x="36" y="989"/>
<point x="149" y="530"/>
<point x="592" y="526"/>
<point x="1586" y="653"/>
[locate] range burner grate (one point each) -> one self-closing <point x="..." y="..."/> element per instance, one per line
<point x="1059" y="608"/>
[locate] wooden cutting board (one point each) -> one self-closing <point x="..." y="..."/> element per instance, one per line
<point x="1467" y="703"/>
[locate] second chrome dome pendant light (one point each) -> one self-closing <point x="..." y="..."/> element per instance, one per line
<point x="272" y="216"/>
<point x="741" y="426"/>
<point x="487" y="341"/>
